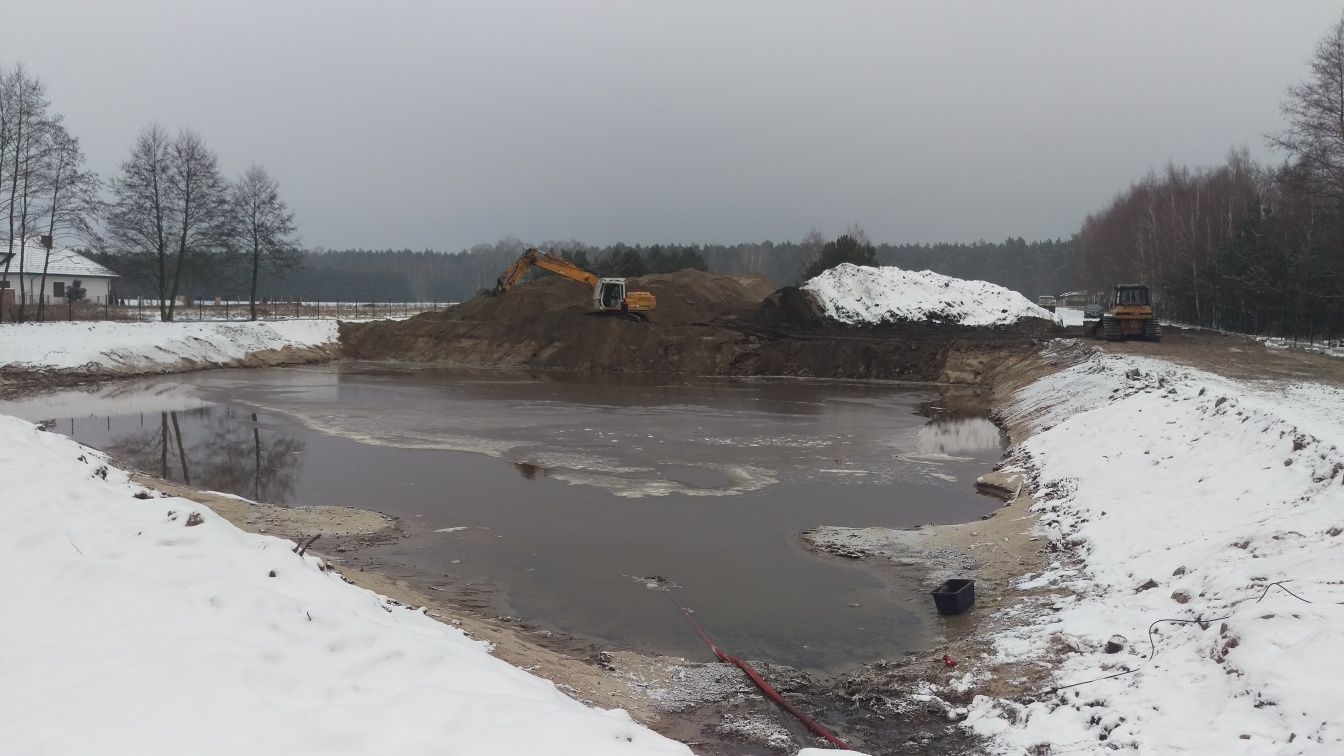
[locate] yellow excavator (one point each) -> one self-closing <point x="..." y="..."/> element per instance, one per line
<point x="609" y="294"/>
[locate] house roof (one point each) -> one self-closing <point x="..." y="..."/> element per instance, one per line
<point x="64" y="262"/>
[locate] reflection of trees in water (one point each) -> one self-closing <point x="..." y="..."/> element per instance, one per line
<point x="231" y="455"/>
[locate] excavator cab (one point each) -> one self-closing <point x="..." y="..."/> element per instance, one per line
<point x="609" y="294"/>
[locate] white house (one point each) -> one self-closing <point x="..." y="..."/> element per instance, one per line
<point x="65" y="267"/>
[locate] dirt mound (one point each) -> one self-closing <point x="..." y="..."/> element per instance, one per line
<point x="791" y="307"/>
<point x="692" y="296"/>
<point x="548" y="324"/>
<point x="704" y="324"/>
<point x="687" y="296"/>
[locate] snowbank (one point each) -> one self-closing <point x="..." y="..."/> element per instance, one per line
<point x="111" y="348"/>
<point x="1327" y="348"/>
<point x="1178" y="494"/>
<point x="1069" y="316"/>
<point x="866" y="295"/>
<point x="154" y="627"/>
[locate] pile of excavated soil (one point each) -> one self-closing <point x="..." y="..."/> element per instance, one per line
<point x="548" y="324"/>
<point x="704" y="324"/>
<point x="684" y="297"/>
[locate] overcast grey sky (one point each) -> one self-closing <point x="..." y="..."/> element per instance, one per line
<point x="440" y="124"/>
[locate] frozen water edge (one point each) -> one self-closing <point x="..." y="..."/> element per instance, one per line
<point x="214" y="640"/>
<point x="1171" y="493"/>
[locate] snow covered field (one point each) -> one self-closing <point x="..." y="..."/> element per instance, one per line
<point x="113" y="348"/>
<point x="1175" y="494"/>
<point x="871" y="295"/>
<point x="153" y="626"/>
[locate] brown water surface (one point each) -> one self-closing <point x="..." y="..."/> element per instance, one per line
<point x="555" y="495"/>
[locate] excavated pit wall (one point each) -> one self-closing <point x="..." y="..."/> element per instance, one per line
<point x="704" y="325"/>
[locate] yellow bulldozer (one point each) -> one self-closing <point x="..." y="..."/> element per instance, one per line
<point x="609" y="294"/>
<point x="1130" y="316"/>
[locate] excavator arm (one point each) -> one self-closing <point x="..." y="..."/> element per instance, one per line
<point x="546" y="261"/>
<point x="609" y="294"/>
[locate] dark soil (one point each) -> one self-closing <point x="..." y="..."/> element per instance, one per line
<point x="704" y="324"/>
<point x="1234" y="356"/>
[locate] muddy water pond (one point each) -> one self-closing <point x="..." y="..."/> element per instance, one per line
<point x="568" y="501"/>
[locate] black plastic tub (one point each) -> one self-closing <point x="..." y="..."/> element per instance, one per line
<point x="954" y="596"/>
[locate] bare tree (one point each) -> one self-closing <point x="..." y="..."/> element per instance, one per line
<point x="264" y="228"/>
<point x="1314" y="110"/>
<point x="170" y="201"/>
<point x="809" y="249"/>
<point x="73" y="202"/>
<point x="138" y="218"/>
<point x="856" y="232"/>
<point x="200" y="204"/>
<point x="6" y="130"/>
<point x="26" y="119"/>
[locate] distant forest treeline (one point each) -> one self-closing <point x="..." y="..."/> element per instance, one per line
<point x="1239" y="246"/>
<point x="1032" y="268"/>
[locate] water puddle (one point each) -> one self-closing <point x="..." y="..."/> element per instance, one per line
<point x="559" y="499"/>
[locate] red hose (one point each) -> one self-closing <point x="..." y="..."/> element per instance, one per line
<point x="765" y="687"/>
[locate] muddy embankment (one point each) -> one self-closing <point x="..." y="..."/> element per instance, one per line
<point x="921" y="690"/>
<point x="704" y="324"/>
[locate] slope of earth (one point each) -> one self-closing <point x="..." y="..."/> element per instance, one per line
<point x="1194" y="521"/>
<point x="1235" y="356"/>
<point x="159" y="627"/>
<point x="1179" y="533"/>
<point x="704" y="324"/>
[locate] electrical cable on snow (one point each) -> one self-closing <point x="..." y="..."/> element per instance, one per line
<point x="1152" y="646"/>
<point x="755" y="676"/>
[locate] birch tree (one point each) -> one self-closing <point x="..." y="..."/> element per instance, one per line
<point x="265" y="234"/>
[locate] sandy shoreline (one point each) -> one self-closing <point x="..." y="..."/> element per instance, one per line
<point x="672" y="695"/>
<point x="346" y="529"/>
<point x="996" y="551"/>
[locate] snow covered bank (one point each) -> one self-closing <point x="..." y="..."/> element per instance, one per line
<point x="112" y="348"/>
<point x="1327" y="348"/>
<point x="862" y="295"/>
<point x="1174" y="494"/>
<point x="148" y="626"/>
